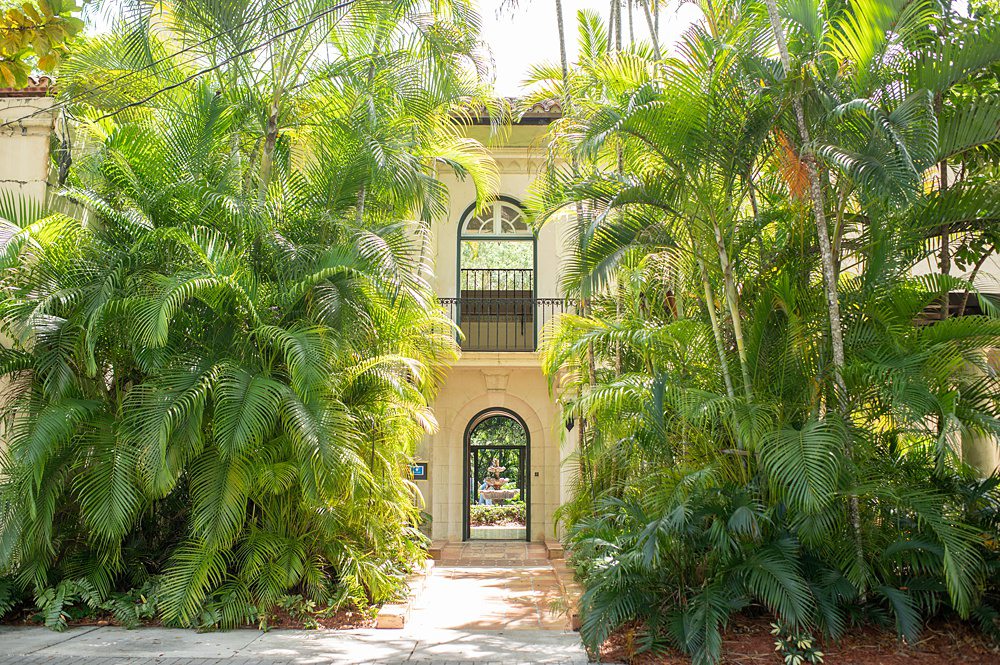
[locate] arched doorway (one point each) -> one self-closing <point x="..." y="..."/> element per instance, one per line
<point x="496" y="278"/>
<point x="497" y="496"/>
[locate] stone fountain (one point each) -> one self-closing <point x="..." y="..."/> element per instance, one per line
<point x="495" y="482"/>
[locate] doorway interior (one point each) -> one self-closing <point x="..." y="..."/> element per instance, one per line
<point x="497" y="504"/>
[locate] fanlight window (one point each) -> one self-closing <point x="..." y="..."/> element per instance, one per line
<point x="500" y="218"/>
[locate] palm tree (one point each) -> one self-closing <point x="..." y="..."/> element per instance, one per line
<point x="222" y="362"/>
<point x="701" y="500"/>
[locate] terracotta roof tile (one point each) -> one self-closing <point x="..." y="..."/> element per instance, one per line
<point x="37" y="87"/>
<point x="550" y="108"/>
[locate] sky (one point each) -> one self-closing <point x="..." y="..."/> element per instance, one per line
<point x="527" y="35"/>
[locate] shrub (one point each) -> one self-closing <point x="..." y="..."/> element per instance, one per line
<point x="492" y="515"/>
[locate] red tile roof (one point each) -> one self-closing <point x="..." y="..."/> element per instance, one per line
<point x="37" y="87"/>
<point x="547" y="108"/>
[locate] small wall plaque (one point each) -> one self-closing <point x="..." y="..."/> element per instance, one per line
<point x="419" y="470"/>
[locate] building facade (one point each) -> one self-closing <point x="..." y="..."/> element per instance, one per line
<point x="499" y="281"/>
<point x="502" y="460"/>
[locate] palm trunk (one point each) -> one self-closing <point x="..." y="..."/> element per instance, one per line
<point x="591" y="381"/>
<point x="716" y="327"/>
<point x="359" y="206"/>
<point x="732" y="300"/>
<point x="270" y="141"/>
<point x="631" y="30"/>
<point x="944" y="257"/>
<point x="819" y="213"/>
<point x="561" y="29"/>
<point x="612" y="20"/>
<point x="611" y="26"/>
<point x="618" y="26"/>
<point x="652" y="28"/>
<point x="826" y="255"/>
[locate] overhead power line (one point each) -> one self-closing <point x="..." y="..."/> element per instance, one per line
<point x="91" y="91"/>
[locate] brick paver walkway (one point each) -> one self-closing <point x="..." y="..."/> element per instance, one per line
<point x="491" y="586"/>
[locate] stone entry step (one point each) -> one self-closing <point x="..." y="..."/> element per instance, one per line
<point x="491" y="554"/>
<point x="497" y="532"/>
<point x="553" y="549"/>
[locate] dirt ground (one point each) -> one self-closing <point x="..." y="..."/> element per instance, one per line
<point x="749" y="642"/>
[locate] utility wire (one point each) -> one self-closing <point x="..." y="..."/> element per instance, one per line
<point x="210" y="38"/>
<point x="245" y="51"/>
<point x="136" y="72"/>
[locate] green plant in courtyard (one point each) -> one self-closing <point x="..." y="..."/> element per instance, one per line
<point x="482" y="515"/>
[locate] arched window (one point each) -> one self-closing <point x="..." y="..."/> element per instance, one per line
<point x="500" y="218"/>
<point x="496" y="278"/>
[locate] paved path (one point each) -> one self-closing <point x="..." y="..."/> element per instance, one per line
<point x="471" y="611"/>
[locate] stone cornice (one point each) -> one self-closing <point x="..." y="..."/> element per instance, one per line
<point x="27" y="116"/>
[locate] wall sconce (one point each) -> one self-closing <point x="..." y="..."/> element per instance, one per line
<point x="569" y="424"/>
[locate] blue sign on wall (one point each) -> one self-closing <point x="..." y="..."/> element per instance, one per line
<point x="419" y="470"/>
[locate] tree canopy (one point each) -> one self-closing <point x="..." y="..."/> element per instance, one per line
<point x="772" y="394"/>
<point x="224" y="346"/>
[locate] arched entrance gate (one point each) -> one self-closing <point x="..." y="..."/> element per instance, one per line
<point x="497" y="503"/>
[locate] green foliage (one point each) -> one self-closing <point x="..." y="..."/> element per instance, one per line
<point x="795" y="646"/>
<point x="77" y="598"/>
<point x="727" y="460"/>
<point x="301" y="609"/>
<point x="36" y="35"/>
<point x="498" y="431"/>
<point x="223" y="348"/>
<point x="483" y="515"/>
<point x="8" y="596"/>
<point x="508" y="254"/>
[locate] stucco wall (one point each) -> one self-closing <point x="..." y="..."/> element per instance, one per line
<point x="24" y="145"/>
<point x="518" y="167"/>
<point x="24" y="159"/>
<point x="987" y="279"/>
<point x="486" y="380"/>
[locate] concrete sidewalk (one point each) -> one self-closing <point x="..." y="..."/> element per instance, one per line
<point x="117" y="646"/>
<point x="484" y="603"/>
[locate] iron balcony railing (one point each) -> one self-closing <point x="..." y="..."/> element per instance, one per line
<point x="501" y="322"/>
<point x="497" y="280"/>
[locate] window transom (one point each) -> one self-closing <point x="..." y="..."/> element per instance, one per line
<point x="499" y="218"/>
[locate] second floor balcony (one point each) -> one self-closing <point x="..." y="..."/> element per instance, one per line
<point x="501" y="322"/>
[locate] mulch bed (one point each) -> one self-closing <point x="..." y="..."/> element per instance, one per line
<point x="340" y="620"/>
<point x="748" y="641"/>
